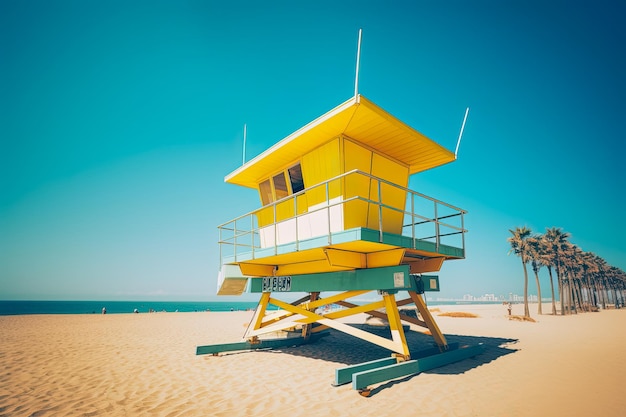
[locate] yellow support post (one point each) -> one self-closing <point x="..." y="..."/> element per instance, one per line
<point x="440" y="339"/>
<point x="257" y="319"/>
<point x="395" y="325"/>
<point x="306" y="329"/>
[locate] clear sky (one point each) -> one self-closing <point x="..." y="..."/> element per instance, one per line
<point x="120" y="119"/>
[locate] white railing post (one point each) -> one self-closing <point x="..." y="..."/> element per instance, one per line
<point x="327" y="190"/>
<point x="295" y="219"/>
<point x="380" y="213"/>
<point x="275" y="230"/>
<point x="219" y="234"/>
<point x="463" y="232"/>
<point x="252" y="234"/>
<point x="436" y="228"/>
<point x="412" y="220"/>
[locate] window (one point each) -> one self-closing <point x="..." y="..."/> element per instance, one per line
<point x="280" y="186"/>
<point x="295" y="177"/>
<point x="266" y="192"/>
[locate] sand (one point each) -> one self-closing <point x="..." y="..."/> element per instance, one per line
<point x="145" y="364"/>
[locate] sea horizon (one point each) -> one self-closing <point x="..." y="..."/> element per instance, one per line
<point x="25" y="307"/>
<point x="28" y="307"/>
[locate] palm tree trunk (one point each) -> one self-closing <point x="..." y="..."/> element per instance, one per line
<point x="580" y="289"/>
<point x="539" y="311"/>
<point x="552" y="289"/>
<point x="599" y="298"/>
<point x="576" y="301"/>
<point x="561" y="284"/>
<point x="604" y="291"/>
<point x="526" y="311"/>
<point x="568" y="284"/>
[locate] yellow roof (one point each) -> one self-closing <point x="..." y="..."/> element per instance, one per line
<point x="359" y="119"/>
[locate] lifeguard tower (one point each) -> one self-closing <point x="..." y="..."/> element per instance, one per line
<point x="337" y="217"/>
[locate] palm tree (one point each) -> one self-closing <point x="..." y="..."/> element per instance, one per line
<point x="617" y="282"/>
<point x="557" y="241"/>
<point x="590" y="273"/>
<point x="571" y="261"/>
<point x="597" y="280"/>
<point x="534" y="254"/>
<point x="547" y="259"/>
<point x="620" y="284"/>
<point x="519" y="246"/>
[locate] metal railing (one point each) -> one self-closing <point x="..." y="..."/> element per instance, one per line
<point x="422" y="218"/>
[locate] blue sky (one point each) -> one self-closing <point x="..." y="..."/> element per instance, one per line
<point x="119" y="121"/>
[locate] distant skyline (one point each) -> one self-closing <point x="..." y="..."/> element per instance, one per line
<point x="120" y="120"/>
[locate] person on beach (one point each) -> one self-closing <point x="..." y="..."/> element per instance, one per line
<point x="104" y="310"/>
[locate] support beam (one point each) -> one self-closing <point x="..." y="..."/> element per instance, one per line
<point x="356" y="309"/>
<point x="306" y="329"/>
<point x="440" y="339"/>
<point x="344" y="375"/>
<point x="395" y="325"/>
<point x="390" y="278"/>
<point x="362" y="380"/>
<point x="303" y="314"/>
<point x="259" y="313"/>
<point x="310" y="317"/>
<point x="257" y="344"/>
<point x="382" y="315"/>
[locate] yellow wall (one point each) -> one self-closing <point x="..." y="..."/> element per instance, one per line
<point x="359" y="213"/>
<point x="342" y="155"/>
<point x="395" y="173"/>
<point x="320" y="165"/>
<point x="356" y="157"/>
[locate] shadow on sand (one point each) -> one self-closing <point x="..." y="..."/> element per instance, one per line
<point x="347" y="350"/>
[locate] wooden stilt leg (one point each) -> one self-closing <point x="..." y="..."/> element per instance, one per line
<point x="395" y="325"/>
<point x="306" y="329"/>
<point x="440" y="339"/>
<point x="257" y="319"/>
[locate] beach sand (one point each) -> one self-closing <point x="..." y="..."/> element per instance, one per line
<point x="145" y="364"/>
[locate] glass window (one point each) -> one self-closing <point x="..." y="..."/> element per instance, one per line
<point x="280" y="186"/>
<point x="295" y="177"/>
<point x="266" y="192"/>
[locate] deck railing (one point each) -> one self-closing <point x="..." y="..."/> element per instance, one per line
<point x="423" y="218"/>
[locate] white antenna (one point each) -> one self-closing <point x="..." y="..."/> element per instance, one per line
<point x="458" y="142"/>
<point x="358" y="61"/>
<point x="244" y="143"/>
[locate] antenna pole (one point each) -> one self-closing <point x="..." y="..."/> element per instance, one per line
<point x="458" y="142"/>
<point x="244" y="144"/>
<point x="358" y="62"/>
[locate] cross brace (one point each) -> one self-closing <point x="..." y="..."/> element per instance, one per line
<point x="308" y="313"/>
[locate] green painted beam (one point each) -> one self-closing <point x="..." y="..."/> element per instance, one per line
<point x="361" y="380"/>
<point x="261" y="344"/>
<point x="391" y="278"/>
<point x="344" y="375"/>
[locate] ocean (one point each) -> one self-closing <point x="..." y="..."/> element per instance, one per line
<point x="8" y="308"/>
<point x="117" y="307"/>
